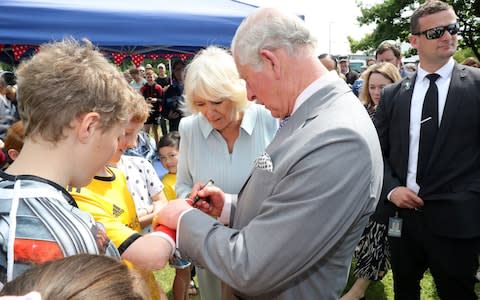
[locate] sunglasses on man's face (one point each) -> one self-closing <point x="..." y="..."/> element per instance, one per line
<point x="437" y="32"/>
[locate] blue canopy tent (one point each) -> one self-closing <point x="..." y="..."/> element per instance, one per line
<point x="140" y="26"/>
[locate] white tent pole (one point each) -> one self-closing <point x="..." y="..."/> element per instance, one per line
<point x="170" y="69"/>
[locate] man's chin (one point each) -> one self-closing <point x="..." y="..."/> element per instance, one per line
<point x="274" y="113"/>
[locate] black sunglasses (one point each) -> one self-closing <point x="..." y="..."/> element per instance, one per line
<point x="437" y="32"/>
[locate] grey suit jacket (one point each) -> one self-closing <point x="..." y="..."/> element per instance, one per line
<point x="294" y="229"/>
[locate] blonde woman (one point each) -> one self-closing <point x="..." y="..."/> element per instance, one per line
<point x="376" y="77"/>
<point x="372" y="252"/>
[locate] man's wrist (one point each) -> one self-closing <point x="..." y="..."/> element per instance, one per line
<point x="178" y="223"/>
<point x="389" y="195"/>
<point x="224" y="217"/>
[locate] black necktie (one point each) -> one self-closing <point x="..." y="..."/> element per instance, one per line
<point x="428" y="126"/>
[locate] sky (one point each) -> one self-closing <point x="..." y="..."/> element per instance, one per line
<point x="330" y="20"/>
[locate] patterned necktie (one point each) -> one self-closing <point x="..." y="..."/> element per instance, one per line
<point x="428" y="126"/>
<point x="283" y="122"/>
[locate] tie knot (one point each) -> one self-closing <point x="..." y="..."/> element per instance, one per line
<point x="283" y="122"/>
<point x="433" y="77"/>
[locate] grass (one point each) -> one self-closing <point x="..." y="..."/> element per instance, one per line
<point x="165" y="278"/>
<point x="381" y="290"/>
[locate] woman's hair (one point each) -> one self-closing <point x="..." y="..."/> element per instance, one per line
<point x="65" y="80"/>
<point x="134" y="71"/>
<point x="177" y="64"/>
<point x="270" y="28"/>
<point x="385" y="69"/>
<point x="471" y="61"/>
<point x="84" y="277"/>
<point x="213" y="76"/>
<point x="172" y="139"/>
<point x="14" y="137"/>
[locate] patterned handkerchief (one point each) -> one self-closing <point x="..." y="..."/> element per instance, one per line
<point x="264" y="162"/>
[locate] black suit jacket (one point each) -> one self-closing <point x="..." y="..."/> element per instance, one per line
<point x="451" y="188"/>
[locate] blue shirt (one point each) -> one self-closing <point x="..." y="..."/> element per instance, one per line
<point x="204" y="152"/>
<point x="159" y="168"/>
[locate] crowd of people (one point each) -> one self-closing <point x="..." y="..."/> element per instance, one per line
<point x="162" y="93"/>
<point x="310" y="166"/>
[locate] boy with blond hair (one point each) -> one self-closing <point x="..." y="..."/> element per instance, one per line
<point x="112" y="200"/>
<point x="75" y="106"/>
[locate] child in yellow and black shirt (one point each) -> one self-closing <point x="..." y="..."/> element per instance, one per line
<point x="108" y="199"/>
<point x="168" y="153"/>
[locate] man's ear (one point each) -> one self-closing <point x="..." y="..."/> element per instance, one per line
<point x="271" y="61"/>
<point x="86" y="125"/>
<point x="12" y="153"/>
<point x="413" y="40"/>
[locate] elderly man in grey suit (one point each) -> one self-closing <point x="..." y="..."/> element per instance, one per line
<point x="293" y="228"/>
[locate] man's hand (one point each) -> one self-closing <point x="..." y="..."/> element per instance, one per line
<point x="169" y="214"/>
<point x="215" y="196"/>
<point x="403" y="197"/>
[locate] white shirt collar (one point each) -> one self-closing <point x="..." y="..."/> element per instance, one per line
<point x="445" y="71"/>
<point x="248" y="121"/>
<point x="313" y="88"/>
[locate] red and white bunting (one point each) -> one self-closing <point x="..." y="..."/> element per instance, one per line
<point x="19" y="50"/>
<point x="154" y="56"/>
<point x="137" y="59"/>
<point x="118" y="57"/>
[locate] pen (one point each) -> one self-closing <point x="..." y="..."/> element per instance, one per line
<point x="197" y="198"/>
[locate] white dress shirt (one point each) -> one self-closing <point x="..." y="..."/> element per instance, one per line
<point x="313" y="88"/>
<point x="419" y="91"/>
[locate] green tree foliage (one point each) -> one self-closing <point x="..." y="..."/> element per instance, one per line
<point x="392" y="21"/>
<point x="462" y="54"/>
<point x="468" y="12"/>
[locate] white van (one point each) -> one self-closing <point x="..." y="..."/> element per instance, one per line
<point x="358" y="65"/>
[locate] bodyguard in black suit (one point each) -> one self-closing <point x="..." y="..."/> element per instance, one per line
<point x="432" y="162"/>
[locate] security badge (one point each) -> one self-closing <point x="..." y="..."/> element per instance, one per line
<point x="395" y="226"/>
